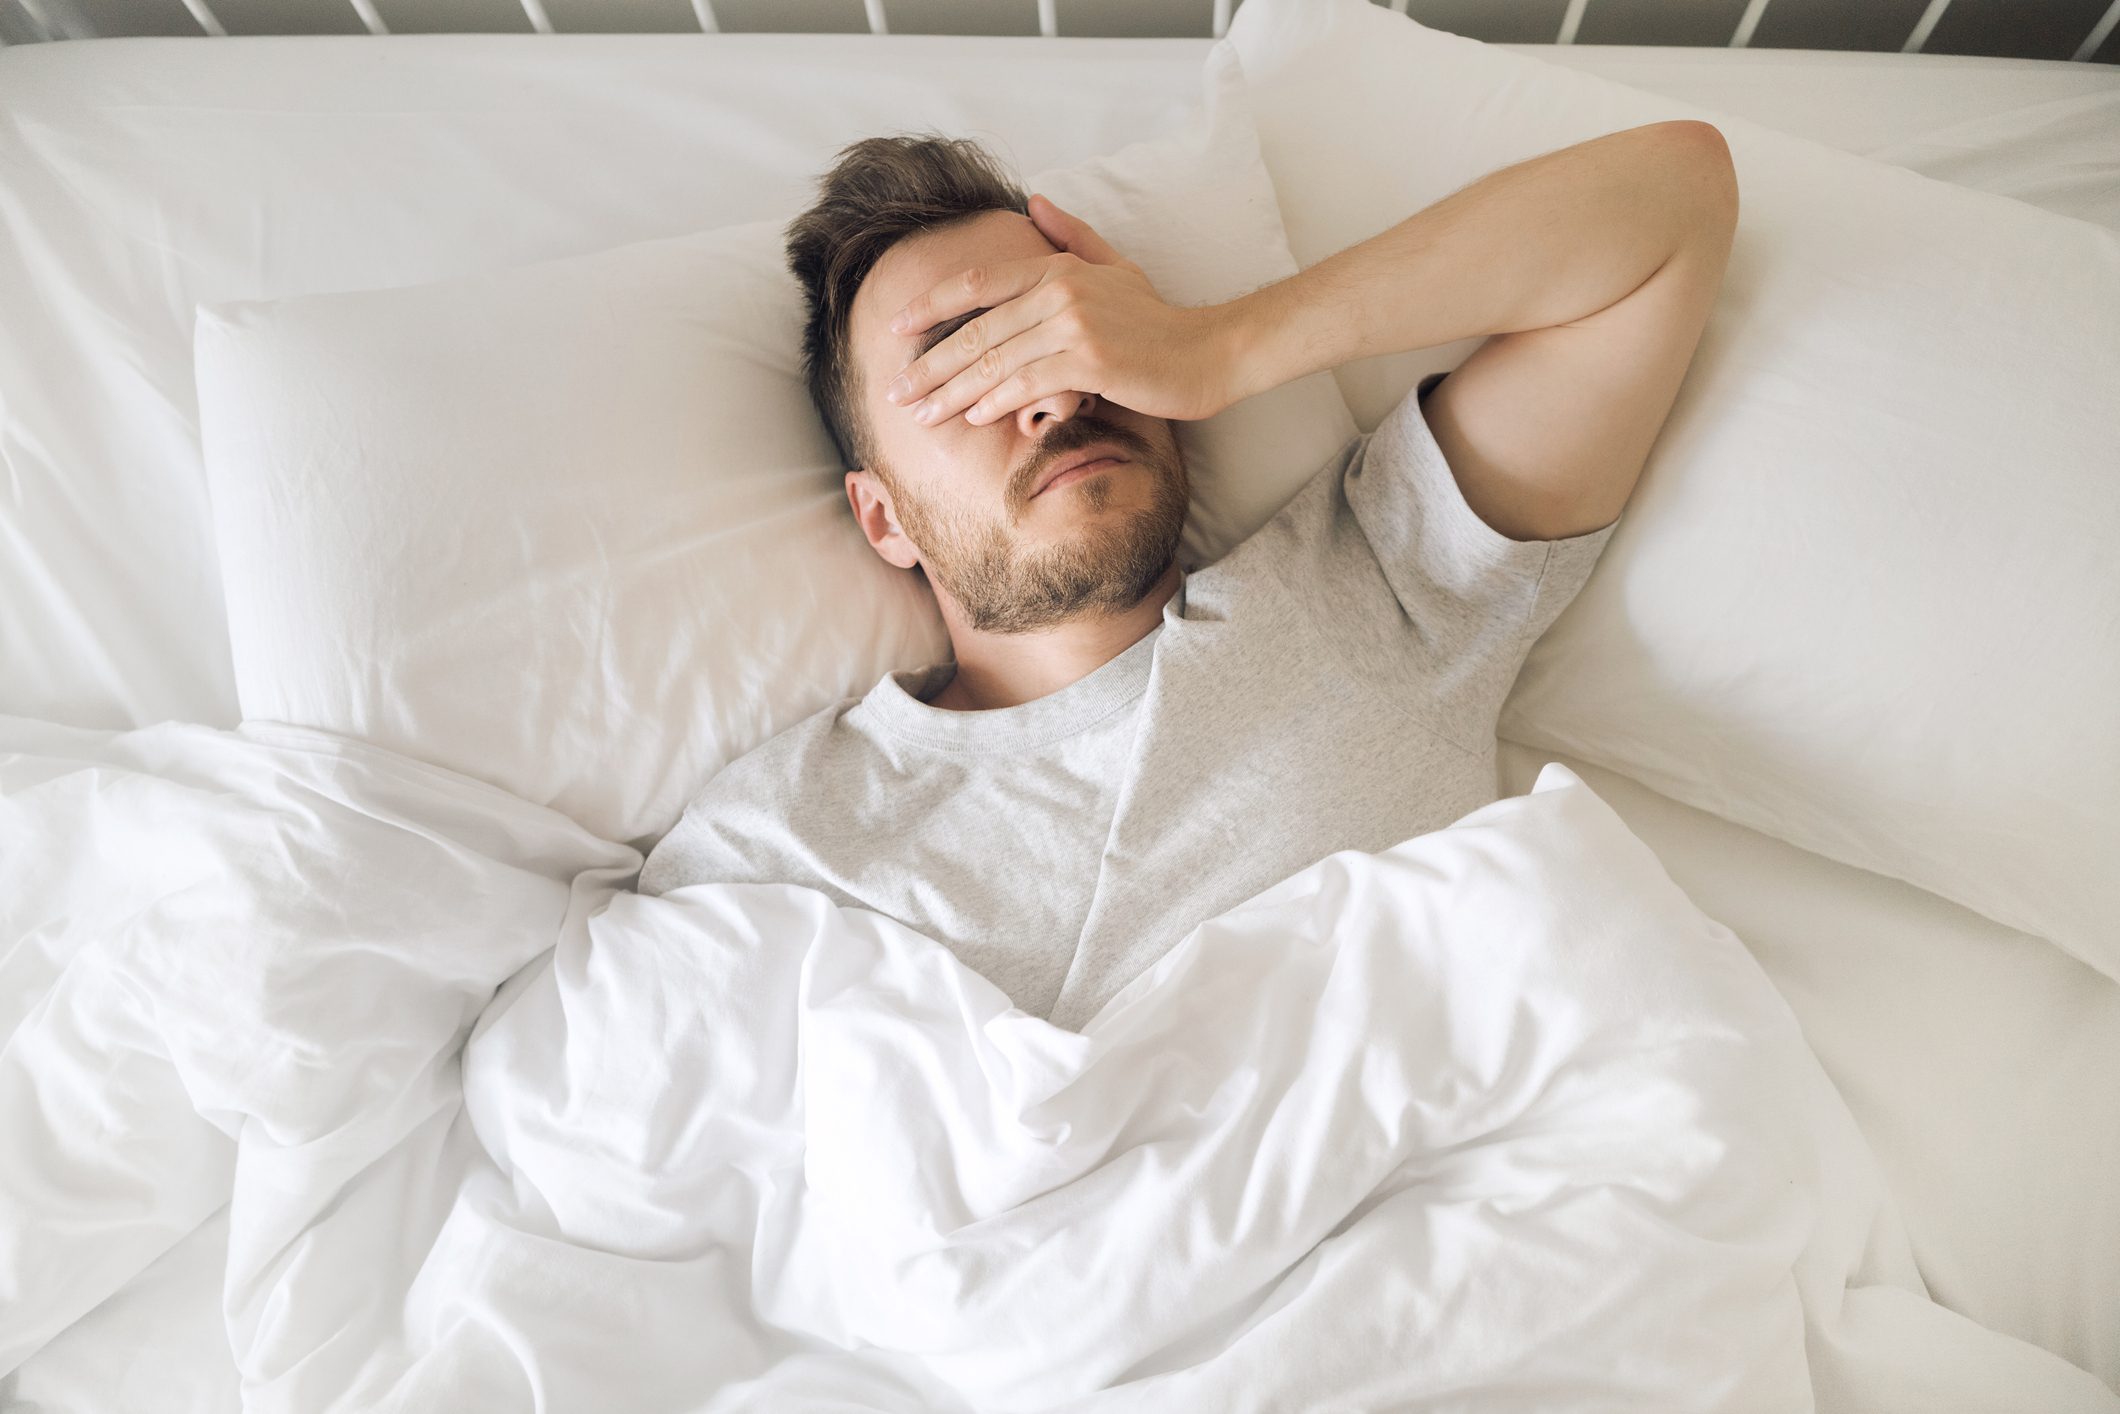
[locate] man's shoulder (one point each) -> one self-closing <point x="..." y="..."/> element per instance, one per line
<point x="755" y="799"/>
<point x="1300" y="527"/>
<point x="1322" y="518"/>
<point x="782" y="756"/>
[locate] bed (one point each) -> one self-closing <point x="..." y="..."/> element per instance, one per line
<point x="142" y="177"/>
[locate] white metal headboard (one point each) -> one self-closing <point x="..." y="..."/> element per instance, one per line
<point x="44" y="25"/>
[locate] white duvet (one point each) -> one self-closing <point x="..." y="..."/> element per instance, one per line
<point x="1495" y="1119"/>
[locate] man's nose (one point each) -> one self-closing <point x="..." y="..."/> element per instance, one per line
<point x="1060" y="407"/>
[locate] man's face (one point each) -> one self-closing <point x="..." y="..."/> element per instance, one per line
<point x="962" y="496"/>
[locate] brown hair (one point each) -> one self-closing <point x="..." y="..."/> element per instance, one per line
<point x="879" y="191"/>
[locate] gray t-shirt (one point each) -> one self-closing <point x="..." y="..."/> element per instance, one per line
<point x="1331" y="683"/>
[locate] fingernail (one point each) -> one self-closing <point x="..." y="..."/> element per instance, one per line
<point x="898" y="323"/>
<point x="924" y="412"/>
<point x="899" y="389"/>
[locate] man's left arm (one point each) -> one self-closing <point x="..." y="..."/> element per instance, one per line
<point x="1591" y="272"/>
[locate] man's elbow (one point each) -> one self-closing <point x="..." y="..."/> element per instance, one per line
<point x="1713" y="179"/>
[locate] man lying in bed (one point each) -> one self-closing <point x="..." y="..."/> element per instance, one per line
<point x="1124" y="746"/>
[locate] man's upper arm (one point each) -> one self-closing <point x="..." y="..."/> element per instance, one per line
<point x="1547" y="430"/>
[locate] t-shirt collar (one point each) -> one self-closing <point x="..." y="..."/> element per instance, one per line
<point x="895" y="704"/>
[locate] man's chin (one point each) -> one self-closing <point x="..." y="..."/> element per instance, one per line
<point x="1082" y="592"/>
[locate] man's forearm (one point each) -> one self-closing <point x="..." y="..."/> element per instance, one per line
<point x="1548" y="240"/>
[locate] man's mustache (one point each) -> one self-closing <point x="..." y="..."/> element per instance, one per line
<point x="1071" y="437"/>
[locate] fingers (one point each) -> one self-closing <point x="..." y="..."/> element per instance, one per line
<point x="1039" y="379"/>
<point x="969" y="289"/>
<point x="1071" y="233"/>
<point x="975" y="341"/>
<point x="1000" y="380"/>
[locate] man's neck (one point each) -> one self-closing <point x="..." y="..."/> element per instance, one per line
<point x="1008" y="669"/>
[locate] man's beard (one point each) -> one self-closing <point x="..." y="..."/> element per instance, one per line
<point x="1104" y="568"/>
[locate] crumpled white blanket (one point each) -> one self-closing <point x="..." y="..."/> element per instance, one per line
<point x="1495" y="1119"/>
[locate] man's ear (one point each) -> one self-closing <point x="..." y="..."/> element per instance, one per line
<point x="878" y="520"/>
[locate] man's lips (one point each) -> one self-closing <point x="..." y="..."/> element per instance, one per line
<point x="1077" y="470"/>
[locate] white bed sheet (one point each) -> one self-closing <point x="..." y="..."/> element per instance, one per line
<point x="1978" y="1061"/>
<point x="139" y="177"/>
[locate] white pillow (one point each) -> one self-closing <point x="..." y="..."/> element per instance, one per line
<point x="1864" y="597"/>
<point x="575" y="528"/>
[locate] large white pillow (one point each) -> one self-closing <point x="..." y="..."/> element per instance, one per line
<point x="1865" y="597"/>
<point x="575" y="528"/>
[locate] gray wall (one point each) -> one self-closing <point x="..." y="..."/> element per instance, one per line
<point x="2037" y="29"/>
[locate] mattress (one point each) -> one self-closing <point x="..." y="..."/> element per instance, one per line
<point x="141" y="177"/>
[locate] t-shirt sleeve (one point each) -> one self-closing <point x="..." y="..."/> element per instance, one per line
<point x="1472" y="599"/>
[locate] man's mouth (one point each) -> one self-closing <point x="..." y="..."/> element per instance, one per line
<point x="1077" y="472"/>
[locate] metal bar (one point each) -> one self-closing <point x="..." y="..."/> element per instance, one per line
<point x="366" y="10"/>
<point x="70" y="20"/>
<point x="48" y="20"/>
<point x="208" y="21"/>
<point x="40" y="19"/>
<point x="1571" y="21"/>
<point x="1927" y="22"/>
<point x="1747" y="23"/>
<point x="2098" y="33"/>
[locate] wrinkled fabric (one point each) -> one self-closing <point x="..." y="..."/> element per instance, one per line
<point x="1492" y="1117"/>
